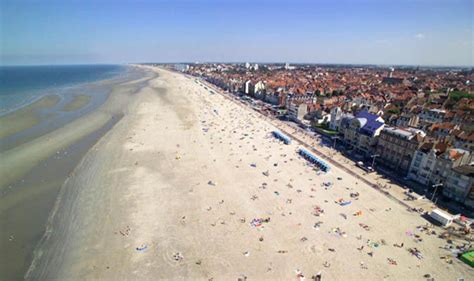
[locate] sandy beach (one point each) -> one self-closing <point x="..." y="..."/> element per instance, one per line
<point x="190" y="186"/>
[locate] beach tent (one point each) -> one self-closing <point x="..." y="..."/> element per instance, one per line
<point x="468" y="257"/>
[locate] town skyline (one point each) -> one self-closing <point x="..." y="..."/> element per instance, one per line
<point x="397" y="115"/>
<point x="373" y="65"/>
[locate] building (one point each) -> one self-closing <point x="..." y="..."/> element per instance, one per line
<point x="442" y="130"/>
<point x="296" y="112"/>
<point x="248" y="87"/>
<point x="424" y="160"/>
<point x="392" y="80"/>
<point x="432" y="116"/>
<point x="397" y="146"/>
<point x="459" y="185"/>
<point x="259" y="87"/>
<point x="320" y="116"/>
<point x="464" y="140"/>
<point x="407" y="120"/>
<point x="288" y="66"/>
<point x="450" y="159"/>
<point x="274" y="98"/>
<point x="360" y="133"/>
<point x="181" y="67"/>
<point x="259" y="90"/>
<point x="336" y="117"/>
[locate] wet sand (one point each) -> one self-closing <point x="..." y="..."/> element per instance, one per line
<point x="35" y="164"/>
<point x="172" y="191"/>
<point x="78" y="102"/>
<point x="26" y="117"/>
<point x="24" y="210"/>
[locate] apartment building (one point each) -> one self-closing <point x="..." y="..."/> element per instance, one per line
<point x="424" y="161"/>
<point x="360" y="133"/>
<point x="459" y="185"/>
<point x="297" y="111"/>
<point x="397" y="146"/>
<point x="450" y="159"/>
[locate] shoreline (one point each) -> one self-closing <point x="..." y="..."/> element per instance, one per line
<point x="25" y="212"/>
<point x="173" y="191"/>
<point x="34" y="171"/>
<point x="77" y="102"/>
<point x="26" y="117"/>
<point x="41" y="119"/>
<point x="38" y="93"/>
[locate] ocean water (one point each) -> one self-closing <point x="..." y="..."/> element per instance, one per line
<point x="21" y="85"/>
<point x="26" y="202"/>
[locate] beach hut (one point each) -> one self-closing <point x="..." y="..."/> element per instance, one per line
<point x="282" y="137"/>
<point x="314" y="160"/>
<point x="443" y="218"/>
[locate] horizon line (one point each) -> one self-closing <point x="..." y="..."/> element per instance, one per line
<point x="243" y="62"/>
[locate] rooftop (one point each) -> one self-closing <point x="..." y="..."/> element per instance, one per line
<point x="467" y="170"/>
<point x="408" y="133"/>
<point x="369" y="122"/>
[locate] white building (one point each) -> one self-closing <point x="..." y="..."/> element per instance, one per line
<point x="259" y="87"/>
<point x="322" y="117"/>
<point x="259" y="90"/>
<point x="424" y="161"/>
<point x="459" y="185"/>
<point x="296" y="112"/>
<point x="288" y="67"/>
<point x="336" y="116"/>
<point x="451" y="158"/>
<point x="361" y="132"/>
<point x="248" y="89"/>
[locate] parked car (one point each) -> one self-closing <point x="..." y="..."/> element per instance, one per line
<point x="364" y="167"/>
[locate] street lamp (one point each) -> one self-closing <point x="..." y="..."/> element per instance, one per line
<point x="435" y="186"/>
<point x="373" y="160"/>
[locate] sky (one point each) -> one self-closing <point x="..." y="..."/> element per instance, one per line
<point x="403" y="32"/>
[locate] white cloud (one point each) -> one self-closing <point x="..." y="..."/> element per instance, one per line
<point x="420" y="36"/>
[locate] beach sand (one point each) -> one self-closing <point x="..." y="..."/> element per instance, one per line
<point x="171" y="191"/>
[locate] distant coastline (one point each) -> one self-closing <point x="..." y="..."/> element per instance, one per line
<point x="336" y="65"/>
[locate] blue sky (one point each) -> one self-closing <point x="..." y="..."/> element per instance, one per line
<point x="417" y="32"/>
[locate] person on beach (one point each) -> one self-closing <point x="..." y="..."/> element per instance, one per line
<point x="317" y="277"/>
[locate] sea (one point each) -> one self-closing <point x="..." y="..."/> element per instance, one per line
<point x="25" y="204"/>
<point x="22" y="85"/>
